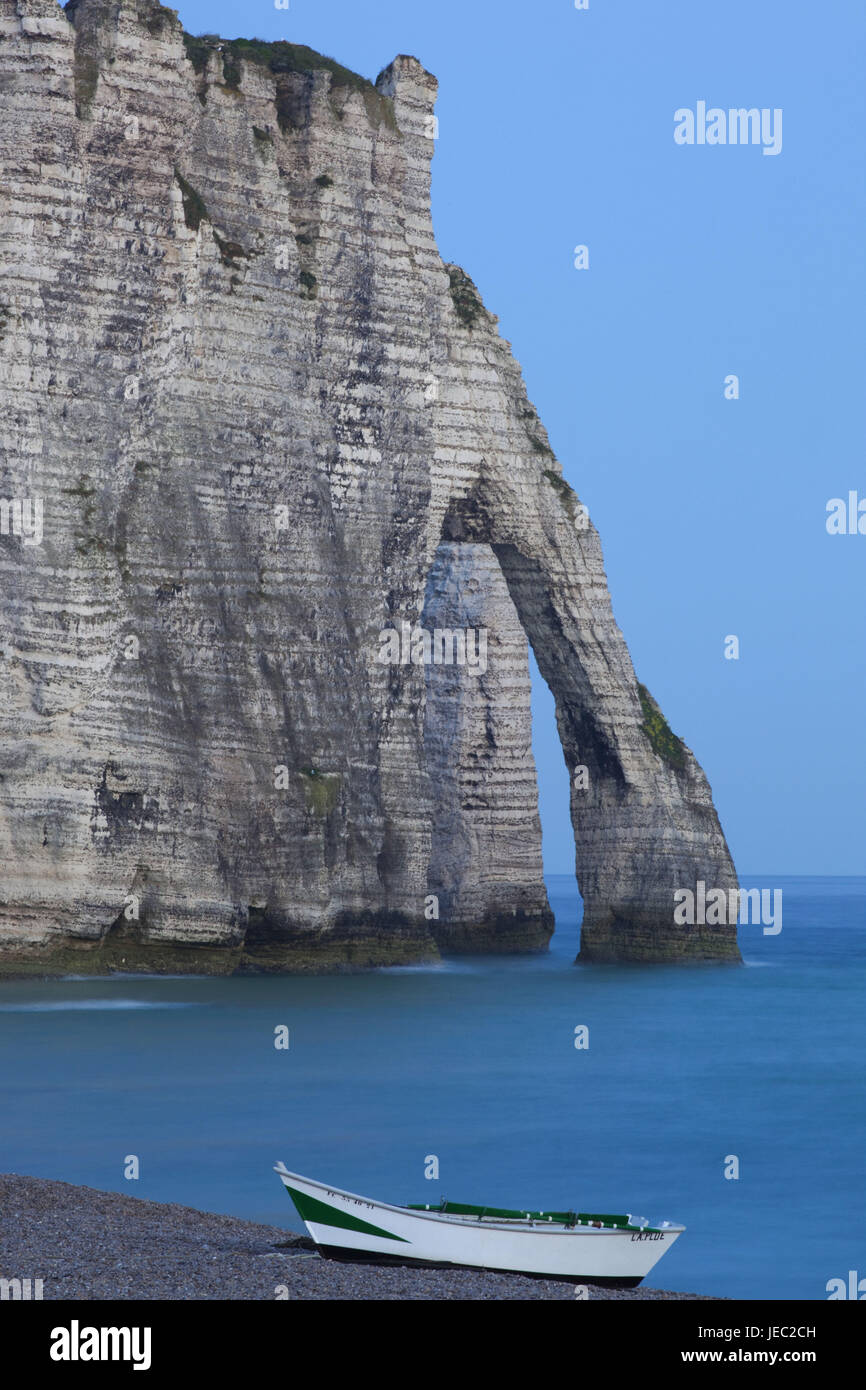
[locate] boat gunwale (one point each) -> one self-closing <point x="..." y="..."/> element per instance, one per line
<point x="480" y="1223"/>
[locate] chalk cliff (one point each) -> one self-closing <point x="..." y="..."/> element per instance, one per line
<point x="265" y="423"/>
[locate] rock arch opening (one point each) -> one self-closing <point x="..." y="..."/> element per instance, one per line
<point x="486" y="869"/>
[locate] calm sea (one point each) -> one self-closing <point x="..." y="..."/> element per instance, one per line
<point x="474" y="1062"/>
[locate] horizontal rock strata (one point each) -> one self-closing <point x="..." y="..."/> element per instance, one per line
<point x="243" y="406"/>
<point x="485" y="859"/>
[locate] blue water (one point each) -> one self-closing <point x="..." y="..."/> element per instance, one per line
<point x="474" y="1061"/>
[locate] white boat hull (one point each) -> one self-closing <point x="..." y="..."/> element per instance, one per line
<point x="348" y="1226"/>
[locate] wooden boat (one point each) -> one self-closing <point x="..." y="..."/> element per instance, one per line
<point x="600" y="1249"/>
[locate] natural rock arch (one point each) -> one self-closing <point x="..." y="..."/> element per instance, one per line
<point x="255" y="403"/>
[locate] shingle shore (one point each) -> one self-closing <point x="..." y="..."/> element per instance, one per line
<point x="86" y="1244"/>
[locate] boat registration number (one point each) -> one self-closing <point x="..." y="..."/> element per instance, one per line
<point x="356" y="1201"/>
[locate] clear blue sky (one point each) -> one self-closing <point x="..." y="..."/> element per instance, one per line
<point x="556" y="128"/>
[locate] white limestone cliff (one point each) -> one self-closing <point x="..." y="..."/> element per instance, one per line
<point x="258" y="410"/>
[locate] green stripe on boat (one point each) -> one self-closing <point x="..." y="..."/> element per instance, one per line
<point x="311" y="1209"/>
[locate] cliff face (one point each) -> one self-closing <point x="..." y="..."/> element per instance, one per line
<point x="265" y="424"/>
<point x="485" y="854"/>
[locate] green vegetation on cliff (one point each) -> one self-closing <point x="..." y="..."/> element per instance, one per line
<point x="566" y="493"/>
<point x="467" y="300"/>
<point x="321" y="790"/>
<point x="281" y="57"/>
<point x="657" y="729"/>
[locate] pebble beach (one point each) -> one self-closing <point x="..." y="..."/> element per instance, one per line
<point x="86" y="1244"/>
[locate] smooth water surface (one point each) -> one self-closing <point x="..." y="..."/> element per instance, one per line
<point x="474" y="1061"/>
